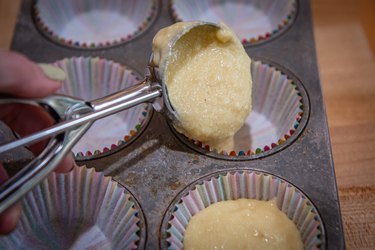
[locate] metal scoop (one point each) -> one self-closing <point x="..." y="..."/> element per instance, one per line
<point x="74" y="117"/>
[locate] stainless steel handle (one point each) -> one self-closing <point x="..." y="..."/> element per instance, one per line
<point x="34" y="172"/>
<point x="122" y="96"/>
<point x="143" y="92"/>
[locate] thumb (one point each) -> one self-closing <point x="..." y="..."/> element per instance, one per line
<point x="21" y="77"/>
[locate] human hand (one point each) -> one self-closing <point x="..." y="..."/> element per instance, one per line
<point x="20" y="77"/>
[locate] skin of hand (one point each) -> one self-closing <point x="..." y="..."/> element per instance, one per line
<point x="20" y="77"/>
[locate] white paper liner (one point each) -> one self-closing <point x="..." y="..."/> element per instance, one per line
<point x="79" y="210"/>
<point x="277" y="112"/>
<point x="253" y="21"/>
<point x="243" y="184"/>
<point x="95" y="23"/>
<point x="90" y="78"/>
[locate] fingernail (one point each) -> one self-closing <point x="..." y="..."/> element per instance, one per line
<point x="52" y="72"/>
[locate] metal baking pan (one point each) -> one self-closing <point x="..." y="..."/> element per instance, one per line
<point x="157" y="165"/>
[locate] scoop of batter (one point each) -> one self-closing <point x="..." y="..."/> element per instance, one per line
<point x="207" y="74"/>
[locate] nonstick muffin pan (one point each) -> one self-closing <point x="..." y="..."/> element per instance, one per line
<point x="287" y="140"/>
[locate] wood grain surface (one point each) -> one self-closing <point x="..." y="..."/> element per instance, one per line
<point x="345" y="42"/>
<point x="357" y="205"/>
<point x="347" y="68"/>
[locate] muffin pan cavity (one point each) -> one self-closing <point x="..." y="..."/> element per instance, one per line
<point x="94" y="24"/>
<point x="264" y="19"/>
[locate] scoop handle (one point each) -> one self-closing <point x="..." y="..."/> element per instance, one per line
<point x="127" y="96"/>
<point x="124" y="99"/>
<point x="35" y="171"/>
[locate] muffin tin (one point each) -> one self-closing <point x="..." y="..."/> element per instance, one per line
<point x="158" y="165"/>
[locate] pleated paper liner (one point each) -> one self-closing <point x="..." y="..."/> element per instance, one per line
<point x="80" y="210"/>
<point x="89" y="78"/>
<point x="236" y="184"/>
<point x="253" y="21"/>
<point x="96" y="23"/>
<point x="280" y="112"/>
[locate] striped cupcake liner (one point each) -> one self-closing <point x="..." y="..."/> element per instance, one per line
<point x="85" y="24"/>
<point x="89" y="78"/>
<point x="253" y="21"/>
<point x="280" y="112"/>
<point x="249" y="184"/>
<point x="80" y="210"/>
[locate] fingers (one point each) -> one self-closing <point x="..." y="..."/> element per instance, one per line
<point x="21" y="77"/>
<point x="25" y="120"/>
<point x="3" y="174"/>
<point x="9" y="218"/>
<point x="66" y="165"/>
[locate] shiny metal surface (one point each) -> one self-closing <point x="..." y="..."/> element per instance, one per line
<point x="82" y="112"/>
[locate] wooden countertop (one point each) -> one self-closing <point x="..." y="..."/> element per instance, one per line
<point x="347" y="65"/>
<point x="345" y="42"/>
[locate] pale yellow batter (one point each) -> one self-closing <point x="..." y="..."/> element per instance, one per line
<point x="242" y="224"/>
<point x="207" y="74"/>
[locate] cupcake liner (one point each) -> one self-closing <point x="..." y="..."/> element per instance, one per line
<point x="90" y="78"/>
<point x="280" y="112"/>
<point x="79" y="210"/>
<point x="85" y="24"/>
<point x="253" y="21"/>
<point x="242" y="184"/>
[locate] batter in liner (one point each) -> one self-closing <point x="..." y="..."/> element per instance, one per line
<point x="242" y="224"/>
